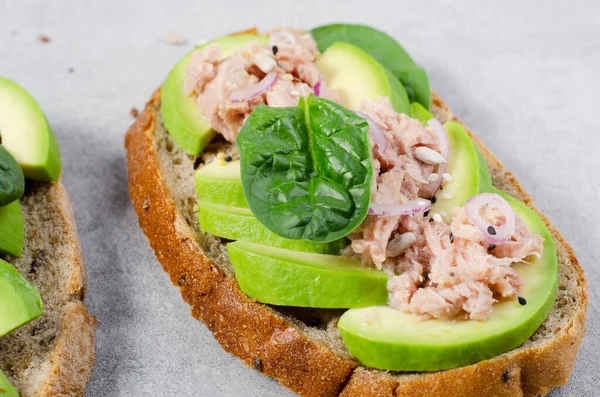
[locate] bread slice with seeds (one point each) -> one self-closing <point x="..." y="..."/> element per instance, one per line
<point x="52" y="355"/>
<point x="302" y="348"/>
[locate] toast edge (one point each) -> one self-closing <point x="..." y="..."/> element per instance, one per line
<point x="278" y="349"/>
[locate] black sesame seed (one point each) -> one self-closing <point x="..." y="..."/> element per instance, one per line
<point x="257" y="363"/>
<point x="441" y="187"/>
<point x="275" y="49"/>
<point x="491" y="247"/>
<point x="425" y="213"/>
<point x="505" y="377"/>
<point x="491" y="230"/>
<point x="433" y="199"/>
<point x="522" y="301"/>
<point x="430" y="220"/>
<point x="451" y="274"/>
<point x="451" y="238"/>
<point x="228" y="159"/>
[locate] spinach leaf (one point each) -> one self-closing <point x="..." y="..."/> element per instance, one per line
<point x="307" y="170"/>
<point x="12" y="180"/>
<point x="385" y="50"/>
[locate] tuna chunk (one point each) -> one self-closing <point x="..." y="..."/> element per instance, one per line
<point x="463" y="277"/>
<point x="212" y="80"/>
<point x="398" y="176"/>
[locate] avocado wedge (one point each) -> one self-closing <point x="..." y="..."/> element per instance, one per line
<point x="12" y="229"/>
<point x="26" y="134"/>
<point x="20" y="302"/>
<point x="221" y="184"/>
<point x="234" y="223"/>
<point x="184" y="121"/>
<point x="470" y="175"/>
<point x="385" y="338"/>
<point x="382" y="48"/>
<point x="6" y="389"/>
<point x="357" y="76"/>
<point x="289" y="278"/>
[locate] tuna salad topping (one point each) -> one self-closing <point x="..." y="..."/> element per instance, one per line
<point x="287" y="63"/>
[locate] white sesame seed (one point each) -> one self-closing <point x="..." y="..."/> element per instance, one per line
<point x="287" y="77"/>
<point x="447" y="196"/>
<point x="433" y="177"/>
<point x="422" y="203"/>
<point x="429" y="156"/>
<point x="437" y="217"/>
<point x="264" y="62"/>
<point x="295" y="93"/>
<point x="447" y="177"/>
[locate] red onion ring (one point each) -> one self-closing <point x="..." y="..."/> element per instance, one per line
<point x="247" y="93"/>
<point x="412" y="207"/>
<point x="430" y="189"/>
<point x="317" y="87"/>
<point x="281" y="37"/>
<point x="492" y="234"/>
<point x="376" y="133"/>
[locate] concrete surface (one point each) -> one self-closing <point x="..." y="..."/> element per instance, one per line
<point x="524" y="76"/>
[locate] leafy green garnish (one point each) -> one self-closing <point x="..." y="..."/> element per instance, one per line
<point x="384" y="49"/>
<point x="307" y="170"/>
<point x="12" y="180"/>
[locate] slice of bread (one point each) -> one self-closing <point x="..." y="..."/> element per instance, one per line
<point x="302" y="348"/>
<point x="52" y="355"/>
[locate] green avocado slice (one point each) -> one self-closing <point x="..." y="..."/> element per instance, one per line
<point x="221" y="184"/>
<point x="466" y="166"/>
<point x="382" y="48"/>
<point x="6" y="389"/>
<point x="234" y="223"/>
<point x="26" y="134"/>
<point x="12" y="229"/>
<point x="182" y="118"/>
<point x="20" y="302"/>
<point x="357" y="76"/>
<point x="289" y="278"/>
<point x="385" y="338"/>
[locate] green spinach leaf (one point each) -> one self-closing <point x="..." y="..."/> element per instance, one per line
<point x="307" y="170"/>
<point x="12" y="180"/>
<point x="385" y="50"/>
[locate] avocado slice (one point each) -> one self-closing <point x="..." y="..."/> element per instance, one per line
<point x="221" y="184"/>
<point x="385" y="338"/>
<point x="384" y="49"/>
<point x="6" y="389"/>
<point x="290" y="278"/>
<point x="234" y="223"/>
<point x="470" y="175"/>
<point x="182" y="118"/>
<point x="356" y="75"/>
<point x="20" y="302"/>
<point x="26" y="134"/>
<point x="12" y="229"/>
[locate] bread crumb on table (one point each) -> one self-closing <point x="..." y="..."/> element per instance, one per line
<point x="174" y="39"/>
<point x="134" y="112"/>
<point x="44" y="39"/>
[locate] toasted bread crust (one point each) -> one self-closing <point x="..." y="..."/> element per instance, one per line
<point x="277" y="348"/>
<point x="71" y="362"/>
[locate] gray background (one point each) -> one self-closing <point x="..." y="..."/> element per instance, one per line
<point x="524" y="76"/>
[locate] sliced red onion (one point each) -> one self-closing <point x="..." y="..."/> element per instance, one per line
<point x="247" y="93"/>
<point x="493" y="234"/>
<point x="317" y="87"/>
<point x="430" y="189"/>
<point x="376" y="133"/>
<point x="412" y="207"/>
<point x="281" y="37"/>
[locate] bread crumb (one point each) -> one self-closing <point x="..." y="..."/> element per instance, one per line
<point x="44" y="39"/>
<point x="134" y="113"/>
<point x="174" y="39"/>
